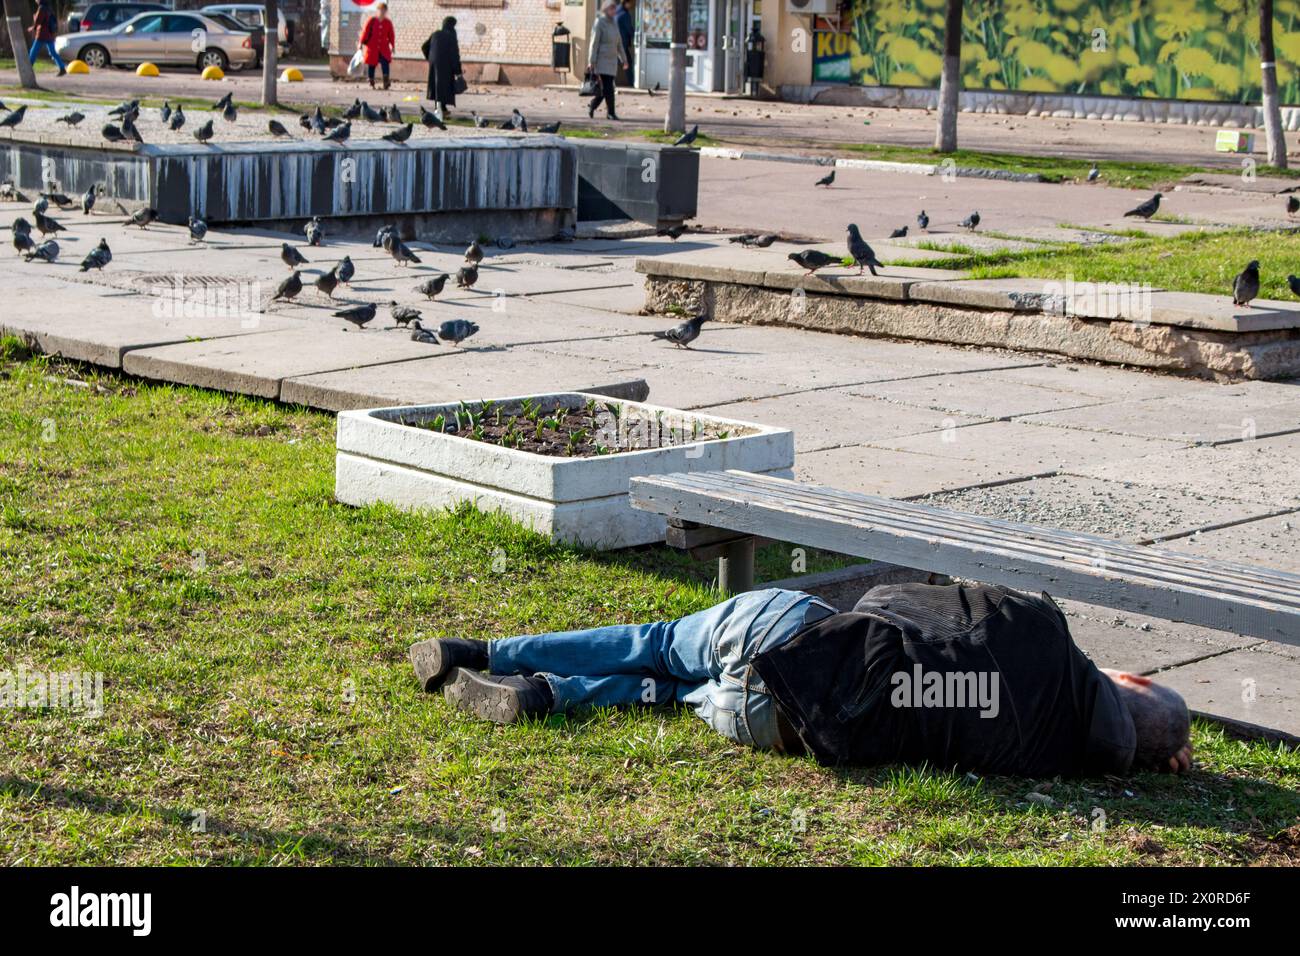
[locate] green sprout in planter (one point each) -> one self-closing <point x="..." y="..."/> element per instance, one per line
<point x="439" y="423"/>
<point x="602" y="450"/>
<point x="528" y="408"/>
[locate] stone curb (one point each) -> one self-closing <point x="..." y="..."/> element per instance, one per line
<point x="880" y="165"/>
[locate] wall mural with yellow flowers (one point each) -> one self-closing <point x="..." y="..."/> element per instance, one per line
<point x="1163" y="49"/>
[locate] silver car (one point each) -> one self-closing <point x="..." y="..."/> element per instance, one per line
<point x="193" y="39"/>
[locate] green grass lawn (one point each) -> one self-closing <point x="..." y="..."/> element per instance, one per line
<point x="1193" y="262"/>
<point x="252" y="635"/>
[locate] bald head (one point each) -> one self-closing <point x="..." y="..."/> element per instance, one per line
<point x="1160" y="720"/>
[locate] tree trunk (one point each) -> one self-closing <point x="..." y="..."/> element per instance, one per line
<point x="1268" y="75"/>
<point x="270" y="50"/>
<point x="945" y="137"/>
<point x="675" y="121"/>
<point x="26" y="75"/>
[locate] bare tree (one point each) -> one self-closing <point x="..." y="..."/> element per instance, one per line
<point x="945" y="137"/>
<point x="675" y="121"/>
<point x="1268" y="76"/>
<point x="26" y="75"/>
<point x="270" y="49"/>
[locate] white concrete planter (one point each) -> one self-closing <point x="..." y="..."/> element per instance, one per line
<point x="576" y="500"/>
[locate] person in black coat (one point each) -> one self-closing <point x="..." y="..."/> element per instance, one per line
<point x="443" y="53"/>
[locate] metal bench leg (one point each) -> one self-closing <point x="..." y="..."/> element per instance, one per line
<point x="736" y="567"/>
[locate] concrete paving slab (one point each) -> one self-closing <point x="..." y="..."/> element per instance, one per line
<point x="1110" y="509"/>
<point x="831" y="418"/>
<point x="895" y="474"/>
<point x="668" y="387"/>
<point x="1003" y="393"/>
<point x="629" y="299"/>
<point x="1271" y="542"/>
<point x="458" y="375"/>
<point x="1014" y="449"/>
<point x="1141" y="644"/>
<point x="1251" y="687"/>
<point x="1262" y="471"/>
<point x="1201" y="311"/>
<point x="1204" y="413"/>
<point x="257" y="364"/>
<point x="1013" y="295"/>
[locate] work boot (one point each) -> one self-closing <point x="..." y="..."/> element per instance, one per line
<point x="504" y="700"/>
<point x="434" y="659"/>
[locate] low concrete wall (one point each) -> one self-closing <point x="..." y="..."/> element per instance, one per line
<point x="654" y="184"/>
<point x="1184" y="112"/>
<point x="1200" y="352"/>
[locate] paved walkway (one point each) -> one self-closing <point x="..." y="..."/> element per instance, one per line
<point x="1204" y="468"/>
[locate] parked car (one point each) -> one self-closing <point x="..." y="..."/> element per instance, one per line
<point x="105" y="16"/>
<point x="252" y="16"/>
<point x="162" y="38"/>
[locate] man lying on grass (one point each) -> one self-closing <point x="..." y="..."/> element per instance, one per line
<point x="981" y="678"/>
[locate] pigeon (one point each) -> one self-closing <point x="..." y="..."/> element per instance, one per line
<point x="105" y="253"/>
<point x="432" y="286"/>
<point x="305" y="121"/>
<point x="382" y="234"/>
<point x="1294" y="283"/>
<point x="132" y="114"/>
<point x="1148" y="208"/>
<point x="48" y="225"/>
<point x="1292" y="205"/>
<point x="165" y="111"/>
<point x="673" y="232"/>
<point x="420" y="334"/>
<point x="752" y="240"/>
<point x="20" y="225"/>
<point x="7" y="191"/>
<point x="518" y="122"/>
<point x="813" y="259"/>
<point x="290" y="287"/>
<point x="314" y="231"/>
<point x="72" y="119"/>
<point x="402" y="253"/>
<point x="204" y="132"/>
<point x="40" y="206"/>
<point x="276" y="128"/>
<point x="474" y="254"/>
<point x="400" y="135"/>
<point x="687" y="138"/>
<point x="861" y="252"/>
<point x="328" y="282"/>
<point x="124" y="108"/>
<point x="466" y="276"/>
<point x="198" y="229"/>
<point x="59" y="199"/>
<point x="47" y="251"/>
<point x="403" y="314"/>
<point x="177" y="120"/>
<point x="339" y="134"/>
<point x="370" y="114"/>
<point x="394" y="115"/>
<point x="456" y="331"/>
<point x="96" y="258"/>
<point x="353" y="111"/>
<point x="346" y="270"/>
<point x="88" y="200"/>
<point x="129" y="130"/>
<point x="970" y="222"/>
<point x="1093" y="173"/>
<point x="23" y="242"/>
<point x="111" y="133"/>
<point x="291" y="257"/>
<point x="683" y="335"/>
<point x="826" y="180"/>
<point x="549" y="127"/>
<point x="431" y="120"/>
<point x="358" y="315"/>
<point x="225" y="101"/>
<point x="899" y="233"/>
<point x="923" y="221"/>
<point x="230" y="114"/>
<point x="1246" y="286"/>
<point x="12" y="120"/>
<point x="479" y="122"/>
<point x="143" y="217"/>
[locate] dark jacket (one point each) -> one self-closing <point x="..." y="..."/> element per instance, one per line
<point x="45" y="26"/>
<point x="443" y="53"/>
<point x="856" y="686"/>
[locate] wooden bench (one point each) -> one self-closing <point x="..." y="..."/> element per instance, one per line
<point x="721" y="513"/>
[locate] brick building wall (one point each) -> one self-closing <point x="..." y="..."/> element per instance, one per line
<point x="502" y="41"/>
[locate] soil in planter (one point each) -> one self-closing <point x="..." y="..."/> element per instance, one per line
<point x="582" y="432"/>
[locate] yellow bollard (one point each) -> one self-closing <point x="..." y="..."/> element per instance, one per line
<point x="212" y="73"/>
<point x="78" y="66"/>
<point x="291" y="75"/>
<point x="146" y="69"/>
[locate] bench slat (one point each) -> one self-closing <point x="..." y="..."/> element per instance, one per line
<point x="994" y="551"/>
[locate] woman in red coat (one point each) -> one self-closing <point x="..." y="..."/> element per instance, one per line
<point x="379" y="40"/>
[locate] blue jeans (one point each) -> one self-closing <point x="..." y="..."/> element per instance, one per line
<point x="48" y="47"/>
<point x="702" y="660"/>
